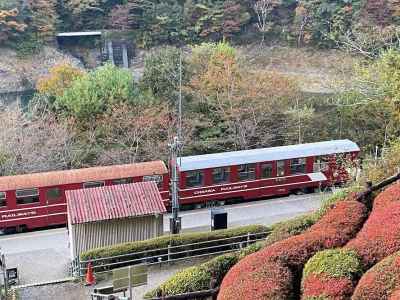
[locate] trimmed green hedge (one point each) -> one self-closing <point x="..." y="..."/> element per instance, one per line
<point x="173" y="240"/>
<point x="199" y="277"/>
<point x="336" y="263"/>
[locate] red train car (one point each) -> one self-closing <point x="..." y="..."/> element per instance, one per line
<point x="252" y="174"/>
<point x="38" y="200"/>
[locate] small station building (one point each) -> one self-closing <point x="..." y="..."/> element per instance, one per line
<point x="109" y="215"/>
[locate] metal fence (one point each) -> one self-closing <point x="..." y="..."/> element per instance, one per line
<point x="168" y="254"/>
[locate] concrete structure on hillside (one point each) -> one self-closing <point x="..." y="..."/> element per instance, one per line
<point x="118" y="51"/>
<point x="109" y="215"/>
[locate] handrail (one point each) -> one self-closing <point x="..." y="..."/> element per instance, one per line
<point x="362" y="196"/>
<point x="191" y="295"/>
<point x="170" y="254"/>
<point x="174" y="247"/>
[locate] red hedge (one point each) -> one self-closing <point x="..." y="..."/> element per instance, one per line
<point x="380" y="235"/>
<point x="395" y="295"/>
<point x="381" y="281"/>
<point x="327" y="286"/>
<point x="388" y="196"/>
<point x="266" y="275"/>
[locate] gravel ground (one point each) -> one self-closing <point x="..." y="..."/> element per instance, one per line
<point x="74" y="291"/>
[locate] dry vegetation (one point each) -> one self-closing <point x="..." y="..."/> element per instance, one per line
<point x="316" y="70"/>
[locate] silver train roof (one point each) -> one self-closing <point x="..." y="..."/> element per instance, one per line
<point x="215" y="160"/>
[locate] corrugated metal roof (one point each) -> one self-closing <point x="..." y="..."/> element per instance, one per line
<point x="114" y="202"/>
<point x="266" y="154"/>
<point x="56" y="178"/>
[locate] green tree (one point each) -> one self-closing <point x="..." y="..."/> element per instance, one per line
<point x="59" y="79"/>
<point x="161" y="73"/>
<point x="96" y="92"/>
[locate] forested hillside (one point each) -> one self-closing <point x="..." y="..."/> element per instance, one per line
<point x="255" y="74"/>
<point x="359" y="24"/>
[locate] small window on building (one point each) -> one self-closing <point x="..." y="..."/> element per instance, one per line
<point x="320" y="163"/>
<point x="122" y="181"/>
<point x="247" y="172"/>
<point x="194" y="178"/>
<point x="266" y="170"/>
<point x="53" y="194"/>
<point x="3" y="201"/>
<point x="157" y="178"/>
<point x="280" y="168"/>
<point x="27" y="196"/>
<point x="298" y="166"/>
<point x="92" y="184"/>
<point x="221" y="175"/>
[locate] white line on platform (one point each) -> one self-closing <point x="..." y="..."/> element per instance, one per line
<point x="254" y="204"/>
<point x="32" y="235"/>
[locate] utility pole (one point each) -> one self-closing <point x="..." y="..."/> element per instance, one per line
<point x="176" y="147"/>
<point x="3" y="268"/>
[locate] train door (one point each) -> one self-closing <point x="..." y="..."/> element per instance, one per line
<point x="54" y="205"/>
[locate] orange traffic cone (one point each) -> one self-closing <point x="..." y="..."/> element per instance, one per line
<point x="90" y="280"/>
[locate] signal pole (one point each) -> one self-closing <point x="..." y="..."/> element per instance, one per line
<point x="176" y="147"/>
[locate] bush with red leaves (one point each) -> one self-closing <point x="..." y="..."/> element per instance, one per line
<point x="331" y="274"/>
<point x="380" y="235"/>
<point x="274" y="272"/>
<point x="327" y="287"/>
<point x="381" y="281"/>
<point x="395" y="295"/>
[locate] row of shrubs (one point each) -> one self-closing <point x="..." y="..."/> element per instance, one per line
<point x="378" y="238"/>
<point x="204" y="276"/>
<point x="275" y="271"/>
<point x="381" y="282"/>
<point x="192" y="279"/>
<point x="172" y="240"/>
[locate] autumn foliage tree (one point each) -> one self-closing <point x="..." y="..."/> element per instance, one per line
<point x="59" y="79"/>
<point x="134" y="133"/>
<point x="43" y="18"/>
<point x="20" y="137"/>
<point x="10" y="26"/>
<point x="240" y="101"/>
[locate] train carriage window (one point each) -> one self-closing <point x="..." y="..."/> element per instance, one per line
<point x="92" y="184"/>
<point x="122" y="181"/>
<point x="280" y="168"/>
<point x="266" y="170"/>
<point x="298" y="166"/>
<point x="3" y="201"/>
<point x="194" y="178"/>
<point x="247" y="172"/>
<point x="157" y="178"/>
<point x="220" y="175"/>
<point x="53" y="194"/>
<point x="27" y="196"/>
<point x="320" y="163"/>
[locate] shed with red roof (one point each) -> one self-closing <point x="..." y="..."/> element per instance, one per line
<point x="109" y="215"/>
